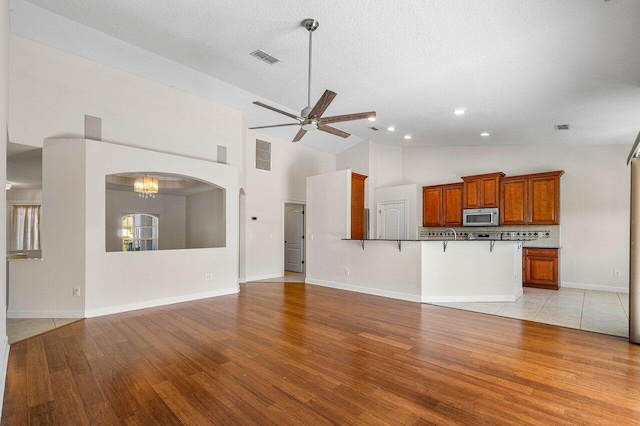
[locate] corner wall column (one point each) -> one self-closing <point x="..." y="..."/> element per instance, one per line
<point x="634" y="254"/>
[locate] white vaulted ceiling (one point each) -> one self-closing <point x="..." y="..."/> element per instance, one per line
<point x="515" y="67"/>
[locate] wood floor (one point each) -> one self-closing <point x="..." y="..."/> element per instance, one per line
<point x="294" y="354"/>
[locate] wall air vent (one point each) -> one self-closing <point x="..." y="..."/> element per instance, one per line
<point x="263" y="155"/>
<point x="561" y="126"/>
<point x="375" y="129"/>
<point x="264" y="57"/>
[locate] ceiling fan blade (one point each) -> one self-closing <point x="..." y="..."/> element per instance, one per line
<point x="333" y="131"/>
<point x="277" y="110"/>
<point x="348" y="117"/>
<point x="323" y="103"/>
<point x="299" y="135"/>
<point x="274" y="125"/>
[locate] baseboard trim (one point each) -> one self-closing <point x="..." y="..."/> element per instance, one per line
<point x="4" y="354"/>
<point x="583" y="286"/>
<point x="365" y="290"/>
<point x="458" y="299"/>
<point x="91" y="313"/>
<point x="45" y="314"/>
<point x="262" y="277"/>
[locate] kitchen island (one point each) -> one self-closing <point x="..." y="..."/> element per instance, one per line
<point x="471" y="271"/>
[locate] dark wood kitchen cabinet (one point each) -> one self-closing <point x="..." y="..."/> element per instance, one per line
<point x="540" y="268"/>
<point x="357" y="206"/>
<point x="530" y="199"/>
<point x="442" y="205"/>
<point x="481" y="191"/>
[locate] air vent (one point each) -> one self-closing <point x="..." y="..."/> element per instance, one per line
<point x="264" y="57"/>
<point x="222" y="154"/>
<point x="561" y="126"/>
<point x="375" y="129"/>
<point x="263" y="155"/>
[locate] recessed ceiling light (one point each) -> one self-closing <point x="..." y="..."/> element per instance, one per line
<point x="391" y="128"/>
<point x="407" y="136"/>
<point x="458" y="112"/>
<point x="484" y="134"/>
<point x="372" y="118"/>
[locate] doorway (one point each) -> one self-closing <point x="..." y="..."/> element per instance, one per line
<point x="294" y="250"/>
<point x="392" y="220"/>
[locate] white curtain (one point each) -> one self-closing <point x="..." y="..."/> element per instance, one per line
<point x="25" y="227"/>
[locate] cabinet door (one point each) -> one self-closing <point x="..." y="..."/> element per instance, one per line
<point x="471" y="194"/>
<point x="490" y="190"/>
<point x="513" y="201"/>
<point x="357" y="206"/>
<point x="452" y="205"/>
<point x="544" y="200"/>
<point x="432" y="206"/>
<point x="541" y="268"/>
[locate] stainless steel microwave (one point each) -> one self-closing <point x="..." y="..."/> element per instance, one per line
<point x="481" y="217"/>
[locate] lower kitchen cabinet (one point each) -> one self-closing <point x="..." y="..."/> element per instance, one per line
<point x="540" y="268"/>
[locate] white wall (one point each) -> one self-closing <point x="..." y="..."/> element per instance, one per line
<point x="116" y="281"/>
<point x="594" y="199"/>
<point x="266" y="193"/>
<point x="51" y="91"/>
<point x="171" y="209"/>
<point x="379" y="269"/>
<point x="205" y="219"/>
<point x="4" y="118"/>
<point x="44" y="288"/>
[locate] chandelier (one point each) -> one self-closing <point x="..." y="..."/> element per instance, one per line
<point x="146" y="186"/>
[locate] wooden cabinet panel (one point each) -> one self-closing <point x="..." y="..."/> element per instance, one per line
<point x="442" y="205"/>
<point x="513" y="201"/>
<point x="481" y="191"/>
<point x="431" y="205"/>
<point x="540" y="268"/>
<point x="357" y="205"/>
<point x="452" y="205"/>
<point x="530" y="199"/>
<point x="544" y="199"/>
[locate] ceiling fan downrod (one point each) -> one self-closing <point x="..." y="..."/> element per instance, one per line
<point x="311" y="25"/>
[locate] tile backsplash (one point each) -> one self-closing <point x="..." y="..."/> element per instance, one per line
<point x="534" y="236"/>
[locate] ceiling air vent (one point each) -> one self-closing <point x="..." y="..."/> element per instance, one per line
<point x="264" y="57"/>
<point x="375" y="129"/>
<point x="561" y="126"/>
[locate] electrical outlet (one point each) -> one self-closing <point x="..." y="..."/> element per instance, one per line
<point x="76" y="292"/>
<point x="346" y="271"/>
<point x="208" y="277"/>
<point x="617" y="273"/>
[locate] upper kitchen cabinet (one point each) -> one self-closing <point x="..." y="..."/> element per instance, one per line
<point x="442" y="205"/>
<point x="357" y="206"/>
<point x="531" y="199"/>
<point x="481" y="191"/>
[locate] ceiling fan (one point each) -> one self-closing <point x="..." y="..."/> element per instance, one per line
<point x="311" y="118"/>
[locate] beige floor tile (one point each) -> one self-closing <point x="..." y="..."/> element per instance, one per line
<point x="566" y="319"/>
<point x="484" y="307"/>
<point x="22" y="328"/>
<point x="59" y="322"/>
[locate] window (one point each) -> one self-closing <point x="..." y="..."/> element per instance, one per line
<point x="25" y="227"/>
<point x="139" y="232"/>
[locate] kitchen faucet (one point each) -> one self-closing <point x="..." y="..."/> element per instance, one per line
<point x="455" y="235"/>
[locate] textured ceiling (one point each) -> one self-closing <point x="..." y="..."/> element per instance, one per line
<point x="516" y="67"/>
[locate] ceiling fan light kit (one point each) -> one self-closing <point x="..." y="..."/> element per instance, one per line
<point x="311" y="117"/>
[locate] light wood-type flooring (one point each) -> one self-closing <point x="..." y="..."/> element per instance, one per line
<point x="286" y="353"/>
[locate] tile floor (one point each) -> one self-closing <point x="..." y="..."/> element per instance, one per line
<point x="289" y="277"/>
<point x="22" y="328"/>
<point x="598" y="311"/>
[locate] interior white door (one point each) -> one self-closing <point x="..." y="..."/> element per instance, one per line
<point x="294" y="238"/>
<point x="392" y="221"/>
